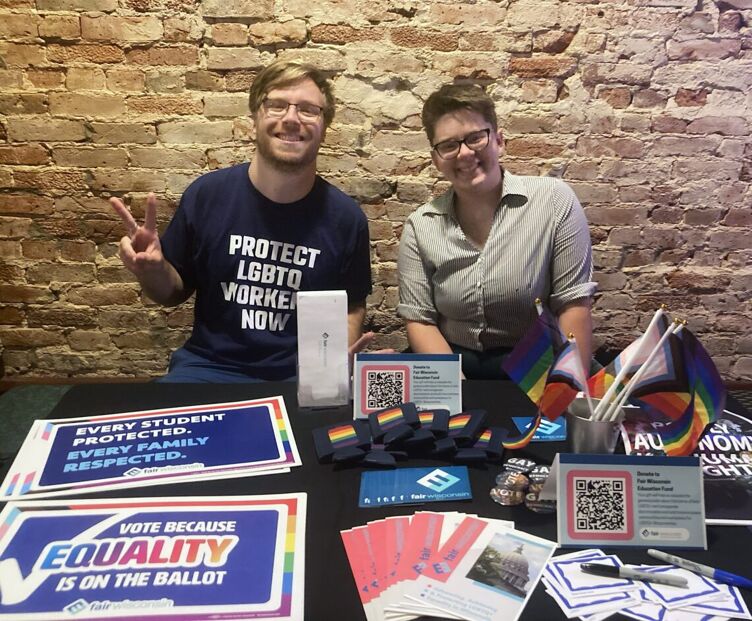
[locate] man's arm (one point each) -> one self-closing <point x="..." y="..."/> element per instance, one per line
<point x="356" y="314"/>
<point x="141" y="253"/>
<point x="575" y="318"/>
<point x="356" y="340"/>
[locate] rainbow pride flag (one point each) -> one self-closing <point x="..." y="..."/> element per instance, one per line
<point x="683" y="386"/>
<point x="664" y="387"/>
<point x="636" y="352"/>
<point x="706" y="403"/>
<point x="529" y="362"/>
<point x="565" y="379"/>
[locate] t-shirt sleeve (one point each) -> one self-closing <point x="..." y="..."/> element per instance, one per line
<point x="572" y="261"/>
<point x="357" y="268"/>
<point x="415" y="284"/>
<point x="177" y="241"/>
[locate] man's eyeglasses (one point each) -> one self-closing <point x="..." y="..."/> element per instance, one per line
<point x="277" y="108"/>
<point x="475" y="141"/>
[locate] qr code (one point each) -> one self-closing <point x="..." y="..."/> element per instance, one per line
<point x="385" y="388"/>
<point x="600" y="505"/>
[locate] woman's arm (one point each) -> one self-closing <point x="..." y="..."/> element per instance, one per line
<point x="575" y="318"/>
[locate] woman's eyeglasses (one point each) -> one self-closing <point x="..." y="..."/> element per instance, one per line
<point x="475" y="141"/>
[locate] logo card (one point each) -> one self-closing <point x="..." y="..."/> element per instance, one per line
<point x="411" y="486"/>
<point x="548" y="430"/>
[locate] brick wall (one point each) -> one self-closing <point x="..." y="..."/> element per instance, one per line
<point x="643" y="107"/>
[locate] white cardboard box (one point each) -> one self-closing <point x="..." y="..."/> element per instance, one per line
<point x="323" y="374"/>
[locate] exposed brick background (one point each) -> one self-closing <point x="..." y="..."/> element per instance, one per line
<point x="643" y="106"/>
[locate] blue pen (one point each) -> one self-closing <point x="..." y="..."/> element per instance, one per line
<point x="703" y="570"/>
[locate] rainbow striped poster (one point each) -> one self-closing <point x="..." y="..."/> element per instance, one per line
<point x="197" y="558"/>
<point x="63" y="457"/>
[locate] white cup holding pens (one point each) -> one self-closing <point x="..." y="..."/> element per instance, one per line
<point x="594" y="425"/>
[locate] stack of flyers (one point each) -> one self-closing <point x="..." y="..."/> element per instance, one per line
<point x="594" y="598"/>
<point x="71" y="456"/>
<point x="450" y="565"/>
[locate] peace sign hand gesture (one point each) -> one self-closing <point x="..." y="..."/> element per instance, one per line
<point x="140" y="249"/>
<point x="141" y="253"/>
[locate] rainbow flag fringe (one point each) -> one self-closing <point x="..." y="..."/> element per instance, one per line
<point x="523" y="440"/>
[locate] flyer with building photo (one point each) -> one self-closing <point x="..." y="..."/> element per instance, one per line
<point x="195" y="558"/>
<point x="725" y="453"/>
<point x="493" y="578"/>
<point x="151" y="447"/>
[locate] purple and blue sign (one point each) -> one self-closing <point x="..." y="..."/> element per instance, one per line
<point x="194" y="558"/>
<point x="152" y="446"/>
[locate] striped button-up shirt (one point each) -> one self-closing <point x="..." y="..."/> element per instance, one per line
<point x="482" y="298"/>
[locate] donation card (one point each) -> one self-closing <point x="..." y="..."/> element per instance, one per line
<point x="75" y="455"/>
<point x="411" y="486"/>
<point x="431" y="381"/>
<point x="623" y="500"/>
<point x="195" y="558"/>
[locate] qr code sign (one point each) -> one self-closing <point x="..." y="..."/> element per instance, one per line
<point x="600" y="505"/>
<point x="384" y="387"/>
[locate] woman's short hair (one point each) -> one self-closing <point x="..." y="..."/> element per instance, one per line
<point x="453" y="97"/>
<point x="284" y="73"/>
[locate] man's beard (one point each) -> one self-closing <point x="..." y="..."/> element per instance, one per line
<point x="292" y="163"/>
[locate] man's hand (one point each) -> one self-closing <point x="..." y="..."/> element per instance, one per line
<point x="363" y="342"/>
<point x="141" y="253"/>
<point x="140" y="249"/>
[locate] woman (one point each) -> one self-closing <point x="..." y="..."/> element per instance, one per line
<point x="473" y="261"/>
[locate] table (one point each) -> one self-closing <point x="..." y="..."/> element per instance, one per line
<point x="333" y="492"/>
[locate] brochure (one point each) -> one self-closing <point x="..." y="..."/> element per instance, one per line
<point x="446" y="565"/>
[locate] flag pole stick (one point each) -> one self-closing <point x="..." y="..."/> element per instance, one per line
<point x="603" y="405"/>
<point x="612" y="413"/>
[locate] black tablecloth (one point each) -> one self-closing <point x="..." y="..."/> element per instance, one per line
<point x="333" y="492"/>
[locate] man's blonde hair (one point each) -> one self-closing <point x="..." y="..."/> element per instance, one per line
<point x="284" y="73"/>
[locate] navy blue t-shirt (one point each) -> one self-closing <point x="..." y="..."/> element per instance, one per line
<point x="246" y="257"/>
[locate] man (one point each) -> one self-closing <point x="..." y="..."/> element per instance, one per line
<point x="473" y="261"/>
<point x="248" y="237"/>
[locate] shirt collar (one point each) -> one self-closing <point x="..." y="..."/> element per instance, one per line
<point x="512" y="192"/>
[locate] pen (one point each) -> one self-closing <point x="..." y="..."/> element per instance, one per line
<point x="704" y="570"/>
<point x="612" y="571"/>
